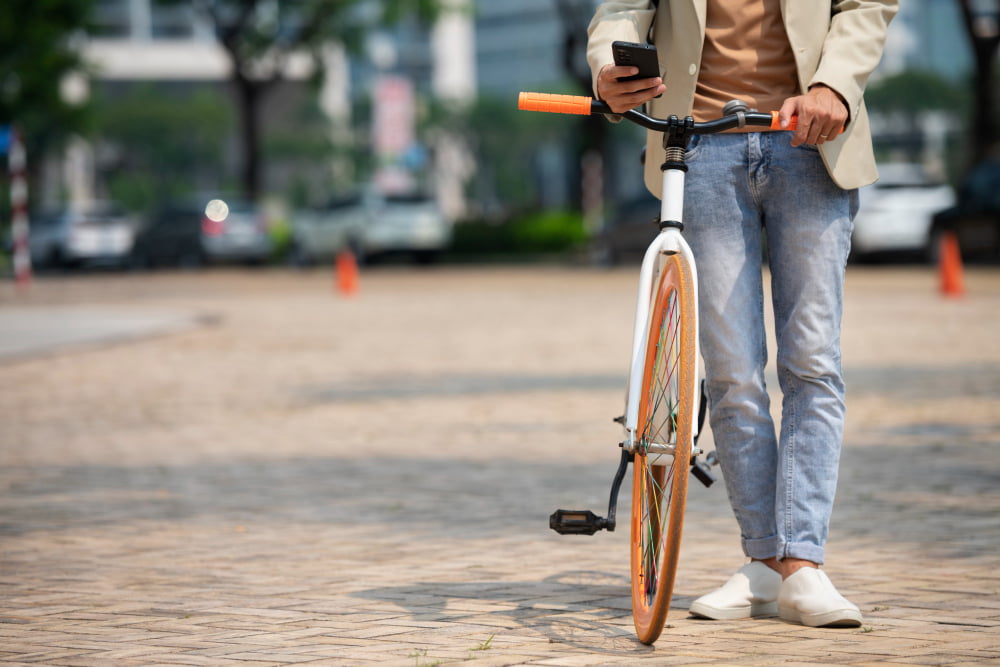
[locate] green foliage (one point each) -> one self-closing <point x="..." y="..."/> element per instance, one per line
<point x="537" y="233"/>
<point x="167" y="144"/>
<point x="300" y="150"/>
<point x="136" y="191"/>
<point x="504" y="142"/>
<point x="36" y="55"/>
<point x="394" y="11"/>
<point x="906" y="97"/>
<point x="549" y="231"/>
<point x="915" y="91"/>
<point x="280" y="232"/>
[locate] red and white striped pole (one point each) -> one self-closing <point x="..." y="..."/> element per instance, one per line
<point x="17" y="163"/>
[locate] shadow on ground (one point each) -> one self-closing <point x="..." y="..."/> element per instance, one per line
<point x="935" y="485"/>
<point x="585" y="609"/>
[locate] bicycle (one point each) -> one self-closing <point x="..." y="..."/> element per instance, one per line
<point x="662" y="418"/>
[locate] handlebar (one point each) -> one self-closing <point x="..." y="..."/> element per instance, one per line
<point x="585" y="106"/>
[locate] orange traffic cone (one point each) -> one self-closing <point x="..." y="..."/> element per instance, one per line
<point x="346" y="271"/>
<point x="950" y="266"/>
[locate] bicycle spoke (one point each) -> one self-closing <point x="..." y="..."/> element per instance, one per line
<point x="656" y="504"/>
<point x="664" y="389"/>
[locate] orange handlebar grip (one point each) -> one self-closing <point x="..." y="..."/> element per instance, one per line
<point x="574" y="104"/>
<point x="776" y="123"/>
<point x="793" y="123"/>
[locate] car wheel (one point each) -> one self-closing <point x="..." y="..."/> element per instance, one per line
<point x="298" y="256"/>
<point x="190" y="258"/>
<point x="54" y="259"/>
<point x="358" y="251"/>
<point x="139" y="261"/>
<point x="426" y="257"/>
<point x="932" y="252"/>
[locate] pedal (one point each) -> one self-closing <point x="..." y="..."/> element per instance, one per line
<point x="702" y="472"/>
<point x="576" y="522"/>
<point x="585" y="522"/>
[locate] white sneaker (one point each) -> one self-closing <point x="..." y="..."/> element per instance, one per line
<point x="810" y="598"/>
<point x="749" y="593"/>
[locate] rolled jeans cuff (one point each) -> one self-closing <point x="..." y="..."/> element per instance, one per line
<point x="762" y="548"/>
<point x="803" y="550"/>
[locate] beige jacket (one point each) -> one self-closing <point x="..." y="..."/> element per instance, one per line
<point x="836" y="43"/>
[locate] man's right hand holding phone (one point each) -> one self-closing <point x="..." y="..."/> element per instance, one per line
<point x="624" y="95"/>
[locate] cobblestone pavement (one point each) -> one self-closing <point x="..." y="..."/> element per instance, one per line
<point x="298" y="477"/>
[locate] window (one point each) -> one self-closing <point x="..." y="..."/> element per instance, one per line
<point x="172" y="22"/>
<point x="111" y="18"/>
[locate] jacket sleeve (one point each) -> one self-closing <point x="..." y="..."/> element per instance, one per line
<point x="853" y="47"/>
<point x="616" y="20"/>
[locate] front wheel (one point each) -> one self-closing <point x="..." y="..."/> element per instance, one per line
<point x="663" y="453"/>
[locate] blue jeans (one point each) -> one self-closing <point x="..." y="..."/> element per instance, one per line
<point x="781" y="488"/>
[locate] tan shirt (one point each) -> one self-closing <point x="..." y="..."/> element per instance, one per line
<point x="746" y="56"/>
<point x="836" y="42"/>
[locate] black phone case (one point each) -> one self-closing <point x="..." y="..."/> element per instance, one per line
<point x="638" y="55"/>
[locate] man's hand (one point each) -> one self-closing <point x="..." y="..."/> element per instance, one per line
<point x="822" y="115"/>
<point x="624" y="95"/>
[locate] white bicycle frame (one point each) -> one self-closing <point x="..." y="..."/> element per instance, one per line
<point x="669" y="241"/>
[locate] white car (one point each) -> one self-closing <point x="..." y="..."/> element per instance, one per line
<point x="98" y="234"/>
<point x="371" y="224"/>
<point x="319" y="234"/>
<point x="896" y="212"/>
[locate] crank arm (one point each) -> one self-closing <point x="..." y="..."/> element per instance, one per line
<point x="585" y="522"/>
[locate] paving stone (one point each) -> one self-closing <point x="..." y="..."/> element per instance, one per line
<point x="297" y="478"/>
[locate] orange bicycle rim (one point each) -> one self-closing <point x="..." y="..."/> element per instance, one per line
<point x="666" y="414"/>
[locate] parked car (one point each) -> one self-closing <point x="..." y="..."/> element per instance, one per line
<point x="193" y="234"/>
<point x="318" y="234"/>
<point x="100" y="233"/>
<point x="975" y="219"/>
<point x="896" y="213"/>
<point x="372" y="224"/>
<point x="628" y="233"/>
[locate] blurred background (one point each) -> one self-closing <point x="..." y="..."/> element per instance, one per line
<point x="145" y="133"/>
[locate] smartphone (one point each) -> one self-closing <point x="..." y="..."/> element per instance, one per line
<point x="633" y="54"/>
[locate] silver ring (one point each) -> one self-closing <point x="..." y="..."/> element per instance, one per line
<point x="824" y="136"/>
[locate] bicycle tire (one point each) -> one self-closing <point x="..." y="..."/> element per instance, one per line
<point x="666" y="416"/>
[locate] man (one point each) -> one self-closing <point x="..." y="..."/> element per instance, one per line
<point x="809" y="59"/>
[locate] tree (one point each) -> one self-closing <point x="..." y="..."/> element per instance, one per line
<point x="915" y="106"/>
<point x="506" y="143"/>
<point x="260" y="36"/>
<point x="36" y="57"/>
<point x="982" y="21"/>
<point x="166" y="142"/>
<point x="912" y="92"/>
